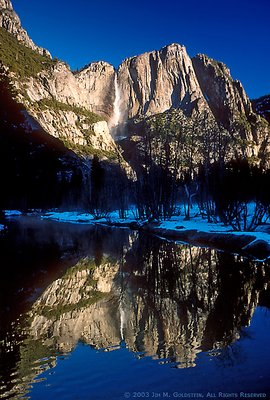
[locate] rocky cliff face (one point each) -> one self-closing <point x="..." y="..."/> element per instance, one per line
<point x="68" y="107"/>
<point x="159" y="81"/>
<point x="143" y="86"/>
<point x="154" y="82"/>
<point x="168" y="79"/>
<point x="56" y="82"/>
<point x="10" y="21"/>
<point x="97" y="80"/>
<point x="229" y="103"/>
<point x="60" y="102"/>
<point x="226" y="97"/>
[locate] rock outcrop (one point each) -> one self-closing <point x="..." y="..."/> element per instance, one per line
<point x="57" y="82"/>
<point x="67" y="111"/>
<point x="73" y="127"/>
<point x="229" y="103"/>
<point x="159" y="81"/>
<point x="10" y="21"/>
<point x="154" y="82"/>
<point x="97" y="80"/>
<point x="226" y="97"/>
<point x="56" y="98"/>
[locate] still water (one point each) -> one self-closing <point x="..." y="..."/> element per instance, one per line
<point x="104" y="313"/>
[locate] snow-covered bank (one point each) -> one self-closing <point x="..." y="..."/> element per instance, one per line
<point x="256" y="245"/>
<point x="12" y="213"/>
<point x="195" y="231"/>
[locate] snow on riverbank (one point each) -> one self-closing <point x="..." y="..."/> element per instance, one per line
<point x="201" y="225"/>
<point x="69" y="216"/>
<point x="175" y="223"/>
<point x="12" y="213"/>
<point x="196" y="230"/>
<point x="85" y="218"/>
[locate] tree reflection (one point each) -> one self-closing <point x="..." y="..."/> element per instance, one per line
<point x="190" y="299"/>
<point x="166" y="300"/>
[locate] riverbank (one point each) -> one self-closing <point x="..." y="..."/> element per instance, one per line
<point x="195" y="231"/>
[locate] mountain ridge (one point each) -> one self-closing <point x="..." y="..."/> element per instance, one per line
<point x="143" y="86"/>
<point x="10" y="21"/>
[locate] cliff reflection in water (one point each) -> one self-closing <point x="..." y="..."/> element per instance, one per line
<point x="165" y="300"/>
<point x="34" y="254"/>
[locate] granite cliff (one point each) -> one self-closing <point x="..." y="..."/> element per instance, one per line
<point x="143" y="86"/>
<point x="97" y="82"/>
<point x="168" y="79"/>
<point x="154" y="82"/>
<point x="50" y="92"/>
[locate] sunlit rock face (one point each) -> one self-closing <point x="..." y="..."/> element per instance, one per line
<point x="143" y="86"/>
<point x="92" y="88"/>
<point x="148" y="84"/>
<point x="229" y="102"/>
<point x="154" y="82"/>
<point x="58" y="84"/>
<point x="6" y="4"/>
<point x="97" y="80"/>
<point x="163" y="302"/>
<point x="158" y="81"/>
<point x="72" y="127"/>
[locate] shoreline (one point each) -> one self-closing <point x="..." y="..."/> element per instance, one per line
<point x="195" y="231"/>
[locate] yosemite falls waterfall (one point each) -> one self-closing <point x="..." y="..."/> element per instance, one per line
<point x="116" y="117"/>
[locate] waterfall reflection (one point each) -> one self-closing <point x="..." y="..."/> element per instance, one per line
<point x="166" y="300"/>
<point x="120" y="288"/>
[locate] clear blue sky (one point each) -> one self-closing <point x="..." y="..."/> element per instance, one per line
<point x="236" y="32"/>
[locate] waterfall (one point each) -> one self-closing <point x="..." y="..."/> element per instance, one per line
<point x="122" y="321"/>
<point x="116" y="117"/>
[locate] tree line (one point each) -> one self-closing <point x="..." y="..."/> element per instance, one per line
<point x="185" y="162"/>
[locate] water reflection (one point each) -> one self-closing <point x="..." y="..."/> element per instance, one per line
<point x="35" y="254"/>
<point x="182" y="300"/>
<point x="164" y="300"/>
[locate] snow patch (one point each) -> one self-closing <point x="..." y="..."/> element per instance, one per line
<point x="69" y="216"/>
<point x="200" y="225"/>
<point x="12" y="213"/>
<point x="30" y="123"/>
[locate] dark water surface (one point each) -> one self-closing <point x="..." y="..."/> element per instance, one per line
<point x="104" y="313"/>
